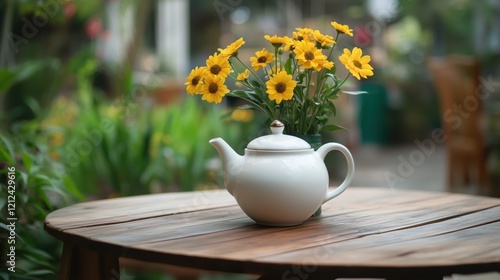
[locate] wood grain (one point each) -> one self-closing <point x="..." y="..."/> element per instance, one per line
<point x="365" y="232"/>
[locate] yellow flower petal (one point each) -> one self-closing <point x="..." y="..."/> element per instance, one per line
<point x="243" y="75"/>
<point x="195" y="80"/>
<point x="261" y="59"/>
<point x="214" y="89"/>
<point x="308" y="56"/>
<point x="218" y="65"/>
<point x="232" y="49"/>
<point x="342" y="28"/>
<point x="280" y="87"/>
<point x="356" y="63"/>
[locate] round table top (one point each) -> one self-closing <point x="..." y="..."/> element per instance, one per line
<point x="365" y="232"/>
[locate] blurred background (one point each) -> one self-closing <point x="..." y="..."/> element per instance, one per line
<point x="93" y="103"/>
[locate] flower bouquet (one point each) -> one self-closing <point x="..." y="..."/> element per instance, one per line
<point x="295" y="82"/>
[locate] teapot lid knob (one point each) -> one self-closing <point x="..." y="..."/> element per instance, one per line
<point x="277" y="127"/>
<point x="277" y="141"/>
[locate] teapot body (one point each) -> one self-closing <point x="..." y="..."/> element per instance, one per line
<point x="280" y="188"/>
<point x="280" y="180"/>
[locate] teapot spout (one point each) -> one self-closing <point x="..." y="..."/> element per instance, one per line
<point x="231" y="161"/>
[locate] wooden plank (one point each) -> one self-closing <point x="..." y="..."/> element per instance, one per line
<point x="134" y="208"/>
<point x="399" y="248"/>
<point x="166" y="227"/>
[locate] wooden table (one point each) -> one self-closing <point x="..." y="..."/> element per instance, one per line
<point x="365" y="232"/>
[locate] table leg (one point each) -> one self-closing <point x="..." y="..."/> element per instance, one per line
<point x="81" y="263"/>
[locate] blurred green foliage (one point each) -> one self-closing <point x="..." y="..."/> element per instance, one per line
<point x="41" y="186"/>
<point x="128" y="146"/>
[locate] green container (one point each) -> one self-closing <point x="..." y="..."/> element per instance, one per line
<point x="372" y="114"/>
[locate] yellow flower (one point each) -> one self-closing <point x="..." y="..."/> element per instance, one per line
<point x="289" y="43"/>
<point x="342" y="28"/>
<point x="214" y="89"/>
<point x="323" y="40"/>
<point x="218" y="65"/>
<point x="232" y="49"/>
<point x="356" y="63"/>
<point x="261" y="59"/>
<point x="327" y="64"/>
<point x="308" y="56"/>
<point x="243" y="75"/>
<point x="195" y="80"/>
<point x="56" y="139"/>
<point x="303" y="34"/>
<point x="275" y="70"/>
<point x="242" y="115"/>
<point x="275" y="40"/>
<point x="280" y="87"/>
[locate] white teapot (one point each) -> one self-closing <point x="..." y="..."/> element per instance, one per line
<point x="280" y="180"/>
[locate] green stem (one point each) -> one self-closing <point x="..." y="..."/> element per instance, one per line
<point x="245" y="83"/>
<point x="276" y="60"/>
<point x="270" y="112"/>
<point x="333" y="47"/>
<point x="348" y="75"/>
<point x="251" y="71"/>
<point x="321" y="83"/>
<point x="315" y="112"/>
<point x="306" y="97"/>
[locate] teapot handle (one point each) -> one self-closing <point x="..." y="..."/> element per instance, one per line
<point x="322" y="152"/>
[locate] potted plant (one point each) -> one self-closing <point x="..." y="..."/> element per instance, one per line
<point x="295" y="82"/>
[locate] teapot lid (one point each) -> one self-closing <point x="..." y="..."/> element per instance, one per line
<point x="277" y="140"/>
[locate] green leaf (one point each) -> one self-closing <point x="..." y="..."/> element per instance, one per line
<point x="40" y="272"/>
<point x="333" y="70"/>
<point x="354" y="92"/>
<point x="6" y="80"/>
<point x="322" y="118"/>
<point x="332" y="107"/>
<point x="68" y="183"/>
<point x="246" y="107"/>
<point x="27" y="161"/>
<point x="3" y="201"/>
<point x="4" y="226"/>
<point x="332" y="127"/>
<point x="300" y="77"/>
<point x="4" y="275"/>
<point x="24" y="178"/>
<point x="8" y="152"/>
<point x="226" y="115"/>
<point x="256" y="84"/>
<point x="34" y="105"/>
<point x="30" y="68"/>
<point x="288" y="66"/>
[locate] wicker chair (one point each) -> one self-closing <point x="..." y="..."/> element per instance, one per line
<point x="456" y="79"/>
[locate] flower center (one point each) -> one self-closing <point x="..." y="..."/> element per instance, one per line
<point x="280" y="87"/>
<point x="195" y="80"/>
<point x="215" y="69"/>
<point x="213" y="88"/>
<point x="262" y="59"/>
<point x="357" y="64"/>
<point x="309" y="55"/>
